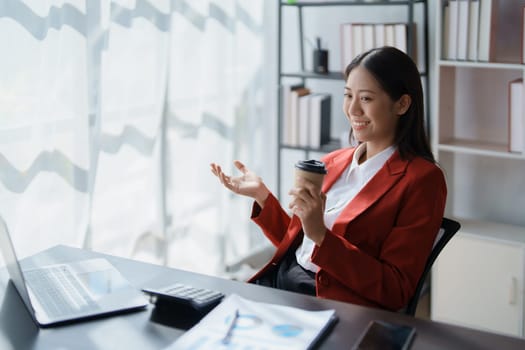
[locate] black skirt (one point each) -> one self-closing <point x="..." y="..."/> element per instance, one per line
<point x="291" y="276"/>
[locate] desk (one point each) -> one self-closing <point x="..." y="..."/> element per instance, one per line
<point x="140" y="330"/>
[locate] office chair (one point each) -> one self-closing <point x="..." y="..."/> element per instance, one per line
<point x="446" y="232"/>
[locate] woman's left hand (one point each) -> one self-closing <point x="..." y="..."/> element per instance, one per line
<point x="308" y="204"/>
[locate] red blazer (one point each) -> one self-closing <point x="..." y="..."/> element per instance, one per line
<point x="377" y="249"/>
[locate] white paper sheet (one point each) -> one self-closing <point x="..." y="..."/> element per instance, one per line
<point x="259" y="326"/>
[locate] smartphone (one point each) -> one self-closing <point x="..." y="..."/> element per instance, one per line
<point x="381" y="335"/>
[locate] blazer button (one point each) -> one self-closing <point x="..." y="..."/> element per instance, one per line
<point x="323" y="280"/>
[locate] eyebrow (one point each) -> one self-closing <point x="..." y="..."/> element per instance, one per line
<point x="362" y="90"/>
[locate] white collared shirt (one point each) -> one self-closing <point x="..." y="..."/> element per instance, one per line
<point x="351" y="181"/>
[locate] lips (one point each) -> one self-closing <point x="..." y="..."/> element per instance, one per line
<point x="359" y="124"/>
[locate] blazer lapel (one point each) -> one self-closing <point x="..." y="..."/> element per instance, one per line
<point x="336" y="166"/>
<point x="379" y="184"/>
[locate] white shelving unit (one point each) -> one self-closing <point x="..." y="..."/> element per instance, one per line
<point x="478" y="280"/>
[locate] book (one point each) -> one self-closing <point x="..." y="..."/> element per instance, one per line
<point x="400" y="36"/>
<point x="389" y="35"/>
<point x="286" y="96"/>
<point x="347" y="53"/>
<point x="294" y="114"/>
<point x="240" y="323"/>
<point x="463" y="29"/>
<point x="506" y="32"/>
<point x="516" y="119"/>
<point x="415" y="51"/>
<point x="357" y="39"/>
<point x="452" y="30"/>
<point x="523" y="34"/>
<point x="379" y="34"/>
<point x="487" y="19"/>
<point x="320" y="119"/>
<point x="473" y="30"/>
<point x="445" y="28"/>
<point x="304" y="121"/>
<point x="368" y="37"/>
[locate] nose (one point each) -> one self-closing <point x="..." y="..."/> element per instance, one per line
<point x="353" y="107"/>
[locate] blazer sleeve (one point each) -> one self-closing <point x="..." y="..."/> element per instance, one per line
<point x="389" y="278"/>
<point x="272" y="219"/>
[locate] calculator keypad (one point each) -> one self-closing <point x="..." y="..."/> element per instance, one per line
<point x="198" y="297"/>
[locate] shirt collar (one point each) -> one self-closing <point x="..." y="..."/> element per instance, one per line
<point x="373" y="164"/>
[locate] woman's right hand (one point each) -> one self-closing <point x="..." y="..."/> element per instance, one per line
<point x="248" y="184"/>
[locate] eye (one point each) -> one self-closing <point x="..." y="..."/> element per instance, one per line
<point x="347" y="95"/>
<point x="366" y="98"/>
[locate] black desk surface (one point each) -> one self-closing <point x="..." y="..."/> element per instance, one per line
<point x="147" y="329"/>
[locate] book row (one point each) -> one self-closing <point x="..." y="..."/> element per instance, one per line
<point x="357" y="38"/>
<point x="482" y="30"/>
<point x="306" y="117"/>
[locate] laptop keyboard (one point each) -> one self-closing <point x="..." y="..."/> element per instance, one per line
<point x="58" y="291"/>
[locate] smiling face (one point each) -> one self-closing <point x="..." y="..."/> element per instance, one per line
<point x="373" y="115"/>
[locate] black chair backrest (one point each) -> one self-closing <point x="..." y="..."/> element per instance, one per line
<point x="448" y="230"/>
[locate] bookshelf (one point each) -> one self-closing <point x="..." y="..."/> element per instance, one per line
<point x="413" y="12"/>
<point x="478" y="280"/>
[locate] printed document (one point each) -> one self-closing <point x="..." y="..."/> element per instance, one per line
<point x="239" y="323"/>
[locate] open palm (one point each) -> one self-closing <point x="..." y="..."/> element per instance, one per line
<point x="247" y="184"/>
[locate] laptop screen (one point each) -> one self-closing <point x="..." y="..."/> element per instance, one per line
<point x="11" y="261"/>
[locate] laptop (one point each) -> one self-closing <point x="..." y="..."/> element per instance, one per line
<point x="62" y="293"/>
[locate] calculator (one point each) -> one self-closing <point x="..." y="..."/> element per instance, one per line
<point x="199" y="299"/>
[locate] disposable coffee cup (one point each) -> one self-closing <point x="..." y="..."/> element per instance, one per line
<point x="311" y="170"/>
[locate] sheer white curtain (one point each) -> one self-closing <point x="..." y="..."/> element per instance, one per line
<point x="44" y="137"/>
<point x="217" y="111"/>
<point x="110" y="113"/>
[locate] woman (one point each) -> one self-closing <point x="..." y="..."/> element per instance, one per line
<point x="367" y="240"/>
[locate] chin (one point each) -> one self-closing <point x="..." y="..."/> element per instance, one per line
<point x="359" y="138"/>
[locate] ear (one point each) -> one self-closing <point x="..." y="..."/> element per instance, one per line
<point x="403" y="104"/>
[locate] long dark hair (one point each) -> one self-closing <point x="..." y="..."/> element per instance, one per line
<point x="398" y="75"/>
